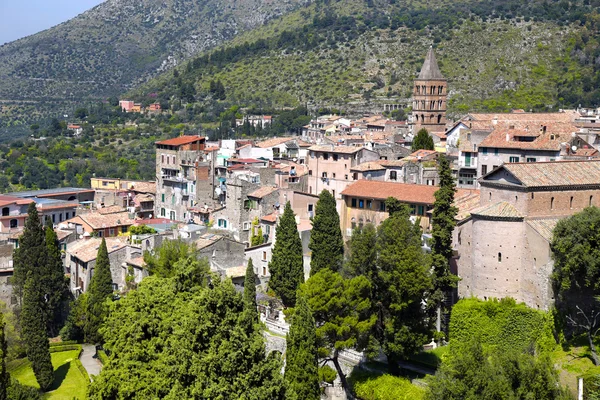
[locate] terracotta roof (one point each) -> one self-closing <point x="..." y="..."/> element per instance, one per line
<point x="143" y="187"/>
<point x="211" y="148"/>
<point x="246" y="161"/>
<point x="302" y="143"/>
<point x="335" y="149"/>
<point x="7" y="200"/>
<point x="502" y="209"/>
<point x="392" y="163"/>
<point x="424" y="153"/>
<point x="430" y="69"/>
<point x="181" y="140"/>
<point x="87" y="250"/>
<point x="57" y="205"/>
<point x="506" y="137"/>
<point x="262" y="192"/>
<point x="544" y="227"/>
<point x="270" y="218"/>
<point x="466" y="201"/>
<point x="563" y="116"/>
<point x="273" y="142"/>
<point x="110" y="210"/>
<point x="98" y="221"/>
<point x="63" y="234"/>
<point x="555" y="173"/>
<point x="368" y="166"/>
<point x="207" y="240"/>
<point x="140" y="198"/>
<point x="405" y="192"/>
<point x="137" y="261"/>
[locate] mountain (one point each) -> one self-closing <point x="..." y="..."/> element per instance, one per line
<point x="357" y="55"/>
<point x="119" y="43"/>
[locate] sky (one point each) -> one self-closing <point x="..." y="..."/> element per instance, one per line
<point x="20" y="18"/>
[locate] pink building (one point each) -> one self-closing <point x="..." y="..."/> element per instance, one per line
<point x="126" y="105"/>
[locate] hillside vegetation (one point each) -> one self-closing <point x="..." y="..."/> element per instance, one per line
<point x="497" y="55"/>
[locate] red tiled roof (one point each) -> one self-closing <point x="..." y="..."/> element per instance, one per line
<point x="554" y="173"/>
<point x="270" y="218"/>
<point x="262" y="192"/>
<point x="405" y="192"/>
<point x="336" y="149"/>
<point x="181" y="140"/>
<point x="7" y="200"/>
<point x="246" y="161"/>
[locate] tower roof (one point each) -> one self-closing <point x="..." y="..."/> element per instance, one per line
<point x="430" y="69"/>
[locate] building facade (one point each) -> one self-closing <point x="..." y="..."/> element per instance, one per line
<point x="430" y="97"/>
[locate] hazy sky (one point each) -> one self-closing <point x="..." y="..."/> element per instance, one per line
<point x="19" y="18"/>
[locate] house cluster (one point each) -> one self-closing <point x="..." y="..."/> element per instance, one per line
<point x="130" y="106"/>
<point x="517" y="174"/>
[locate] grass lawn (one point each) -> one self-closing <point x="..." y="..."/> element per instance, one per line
<point x="69" y="382"/>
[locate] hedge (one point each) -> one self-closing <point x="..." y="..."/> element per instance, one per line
<point x="81" y="368"/>
<point x="66" y="342"/>
<point x="502" y="324"/>
<point x="68" y="347"/>
<point x="102" y="356"/>
<point x="388" y="387"/>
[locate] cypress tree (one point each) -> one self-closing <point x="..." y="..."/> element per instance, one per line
<point x="302" y="369"/>
<point x="326" y="241"/>
<point x="30" y="256"/>
<point x="422" y="141"/>
<point x="286" y="266"/>
<point x="54" y="284"/>
<point x="250" y="290"/>
<point x="4" y="377"/>
<point x="100" y="289"/>
<point x="442" y="224"/>
<point x="34" y="334"/>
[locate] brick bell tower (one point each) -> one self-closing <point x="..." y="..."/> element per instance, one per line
<point x="429" y="97"/>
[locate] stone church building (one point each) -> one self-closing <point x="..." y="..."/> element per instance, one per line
<point x="503" y="247"/>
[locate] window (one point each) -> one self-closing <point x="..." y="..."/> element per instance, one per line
<point x="369" y="203"/>
<point x="162" y="196"/>
<point x="222" y="223"/>
<point x="354" y="203"/>
<point x="571" y="202"/>
<point x="421" y="210"/>
<point x="552" y="203"/>
<point x="483" y="170"/>
<point x="104" y="183"/>
<point x="310" y="172"/>
<point x="382" y="206"/>
<point x="174" y="162"/>
<point x="100" y="233"/>
<point x="466" y="178"/>
<point x="162" y="158"/>
<point x="124" y="229"/>
<point x="530" y="159"/>
<point x="413" y="209"/>
<point x="53" y="218"/>
<point x="496" y="151"/>
<point x="162" y="212"/>
<point x="333" y="175"/>
<point x="591" y="200"/>
<point x="335" y="157"/>
<point x="172" y="215"/>
<point x="14" y="223"/>
<point x="490" y="199"/>
<point x="333" y="193"/>
<point x="393" y="175"/>
<point x="467" y="159"/>
<point x="324" y="175"/>
<point x="513" y="159"/>
<point x="111" y="232"/>
<point x="264" y="256"/>
<point x="172" y="199"/>
<point x="494" y="167"/>
<point x="355" y="176"/>
<point x="361" y="203"/>
<point x="246" y="226"/>
<point x="499" y="257"/>
<point x="484" y="151"/>
<point x="5" y="212"/>
<point x="346" y="177"/>
<point x="264" y="270"/>
<point x="310" y="207"/>
<point x="325" y="156"/>
<point x="60" y="217"/>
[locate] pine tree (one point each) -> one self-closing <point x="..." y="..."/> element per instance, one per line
<point x="4" y="377"/>
<point x="250" y="290"/>
<point x="363" y="254"/>
<point x="100" y="289"/>
<point x="326" y="241"/>
<point x="34" y="333"/>
<point x="422" y="141"/>
<point x="54" y="284"/>
<point x="286" y="266"/>
<point x="30" y="256"/>
<point x="302" y="369"/>
<point x="442" y="224"/>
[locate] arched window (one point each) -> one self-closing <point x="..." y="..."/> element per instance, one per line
<point x="571" y="202"/>
<point x="418" y="88"/>
<point x="439" y="118"/>
<point x="591" y="200"/>
<point x="490" y="196"/>
<point x="516" y="199"/>
<point x="552" y="203"/>
<point x="14" y="223"/>
<point x="499" y="257"/>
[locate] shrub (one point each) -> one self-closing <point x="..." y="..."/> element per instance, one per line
<point x="386" y="387"/>
<point x="17" y="391"/>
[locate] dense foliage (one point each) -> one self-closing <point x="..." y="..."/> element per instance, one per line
<point x="161" y="261"/>
<point x="4" y="377"/>
<point x="250" y="290"/>
<point x="326" y="243"/>
<point x="99" y="291"/>
<point x="471" y="373"/>
<point x="287" y="265"/>
<point x="301" y="356"/>
<point x="55" y="284"/>
<point x="30" y="256"/>
<point x="176" y="338"/>
<point x="422" y="141"/>
<point x="385" y="387"/>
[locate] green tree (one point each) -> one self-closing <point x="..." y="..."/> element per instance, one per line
<point x="576" y="276"/>
<point x="326" y="243"/>
<point x="30" y="256"/>
<point x="81" y="113"/>
<point x="4" y="377"/>
<point x="363" y="253"/>
<point x="54" y="284"/>
<point x="34" y="333"/>
<point x="171" y="344"/>
<point x="250" y="290"/>
<point x="74" y="328"/>
<point x="422" y="141"/>
<point x="402" y="285"/>
<point x="443" y="222"/>
<point x="99" y="291"/>
<point x="161" y="261"/>
<point x="286" y="266"/>
<point x="257" y="235"/>
<point x="342" y="310"/>
<point x="302" y="368"/>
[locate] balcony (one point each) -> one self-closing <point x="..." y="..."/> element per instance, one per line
<point x="175" y="178"/>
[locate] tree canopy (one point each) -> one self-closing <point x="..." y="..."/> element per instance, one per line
<point x="55" y="284"/>
<point x="160" y="262"/>
<point x="4" y="377"/>
<point x="100" y="288"/>
<point x="422" y="141"/>
<point x="287" y="264"/>
<point x="30" y="256"/>
<point x="326" y="243"/>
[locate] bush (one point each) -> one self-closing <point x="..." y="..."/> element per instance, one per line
<point x="81" y="369"/>
<point x="16" y="391"/>
<point x="591" y="384"/>
<point x="69" y="347"/>
<point x="386" y="387"/>
<point x="63" y="343"/>
<point x="102" y="356"/>
<point x="327" y="374"/>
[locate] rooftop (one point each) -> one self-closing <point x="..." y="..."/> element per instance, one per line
<point x="6" y="200"/>
<point x="99" y="221"/>
<point x="502" y="209"/>
<point x="262" y="192"/>
<point x="553" y="173"/>
<point x="335" y="149"/>
<point x="87" y="250"/>
<point x="273" y="142"/>
<point x="181" y="140"/>
<point x="405" y="192"/>
<point x="50" y="192"/>
<point x="544" y="227"/>
<point x="368" y="166"/>
<point x="430" y="69"/>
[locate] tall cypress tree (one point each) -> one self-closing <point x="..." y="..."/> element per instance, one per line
<point x="286" y="266"/>
<point x="100" y="289"/>
<point x="30" y="256"/>
<point x="4" y="377"/>
<point x="442" y="224"/>
<point x="34" y="333"/>
<point x="54" y="284"/>
<point x="301" y="368"/>
<point x="250" y="290"/>
<point x="326" y="241"/>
